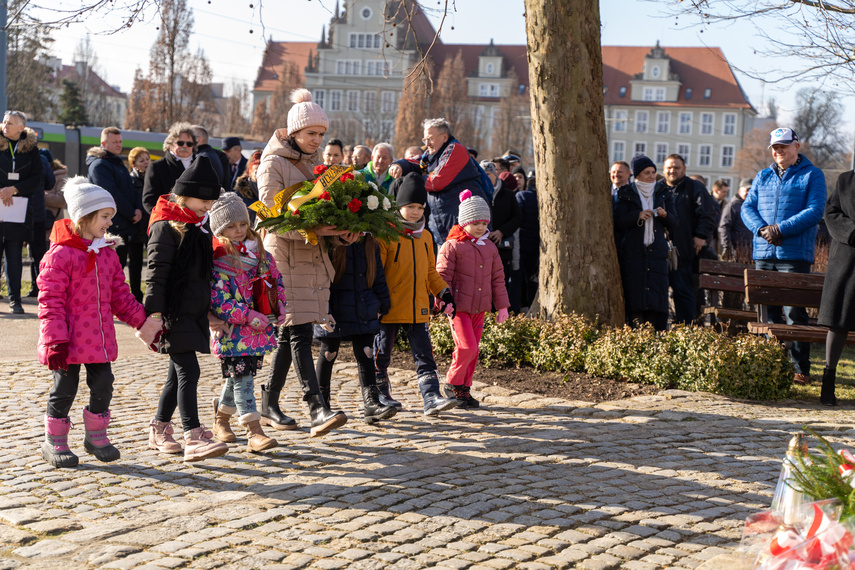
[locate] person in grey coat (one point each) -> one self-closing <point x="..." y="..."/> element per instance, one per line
<point x="735" y="238"/>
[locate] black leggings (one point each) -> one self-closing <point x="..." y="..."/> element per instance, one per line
<point x="99" y="378"/>
<point x="294" y="345"/>
<point x="835" y="342"/>
<point x="363" y="350"/>
<point x="180" y="390"/>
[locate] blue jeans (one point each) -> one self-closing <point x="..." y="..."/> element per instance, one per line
<point x="13" y="265"/>
<point x="239" y="392"/>
<point x="683" y="293"/>
<point x="799" y="351"/>
<point x="420" y="346"/>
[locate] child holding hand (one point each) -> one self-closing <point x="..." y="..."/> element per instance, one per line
<point x="247" y="294"/>
<point x="410" y="267"/>
<point x="81" y="286"/>
<point x="470" y="264"/>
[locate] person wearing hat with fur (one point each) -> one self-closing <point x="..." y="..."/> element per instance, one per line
<point x="243" y="290"/>
<point x="178" y="291"/>
<point x="290" y="157"/>
<point x="410" y="266"/>
<point x="643" y="212"/>
<point x="783" y="208"/>
<point x="469" y="262"/>
<point x="81" y="287"/>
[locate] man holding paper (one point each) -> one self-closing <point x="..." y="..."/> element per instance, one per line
<point x="20" y="176"/>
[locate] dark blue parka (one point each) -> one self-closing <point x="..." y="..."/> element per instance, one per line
<point x="644" y="268"/>
<point x="353" y="304"/>
<point x="530" y="228"/>
<point x="109" y="172"/>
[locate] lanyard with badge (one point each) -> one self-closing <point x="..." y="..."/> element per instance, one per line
<point x="13" y="176"/>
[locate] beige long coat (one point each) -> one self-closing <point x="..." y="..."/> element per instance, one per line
<point x="306" y="269"/>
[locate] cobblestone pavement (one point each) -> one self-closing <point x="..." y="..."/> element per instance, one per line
<point x="525" y="482"/>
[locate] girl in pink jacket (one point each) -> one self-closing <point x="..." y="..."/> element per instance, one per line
<point x="470" y="264"/>
<point x="81" y="286"/>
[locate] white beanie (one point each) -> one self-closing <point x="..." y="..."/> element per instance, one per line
<point x="83" y="198"/>
<point x="305" y="113"/>
<point x="473" y="209"/>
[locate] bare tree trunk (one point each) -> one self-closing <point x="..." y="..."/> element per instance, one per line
<point x="578" y="261"/>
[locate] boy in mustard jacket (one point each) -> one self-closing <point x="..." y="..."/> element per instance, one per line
<point x="410" y="268"/>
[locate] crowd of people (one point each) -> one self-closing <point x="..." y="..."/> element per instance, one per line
<point x="215" y="283"/>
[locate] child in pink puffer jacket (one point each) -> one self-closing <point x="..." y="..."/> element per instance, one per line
<point x="470" y="264"/>
<point x="81" y="286"/>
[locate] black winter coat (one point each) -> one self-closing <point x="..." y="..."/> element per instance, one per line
<point x="695" y="209"/>
<point x="28" y="166"/>
<point x="109" y="172"/>
<point x="36" y="205"/>
<point x="837" y="308"/>
<point x="530" y="227"/>
<point x="138" y="180"/>
<point x="179" y="286"/>
<point x="644" y="269"/>
<point x="507" y="218"/>
<point x="353" y="304"/>
<point x="160" y="177"/>
<point x="732" y="232"/>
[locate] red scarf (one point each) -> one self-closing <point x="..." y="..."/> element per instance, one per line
<point x="457" y="233"/>
<point x="172" y="212"/>
<point x="240" y="247"/>
<point x="63" y="233"/>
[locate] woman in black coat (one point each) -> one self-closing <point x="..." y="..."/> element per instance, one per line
<point x="837" y="308"/>
<point x="643" y="212"/>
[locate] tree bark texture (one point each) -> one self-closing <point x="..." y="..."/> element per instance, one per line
<point x="578" y="260"/>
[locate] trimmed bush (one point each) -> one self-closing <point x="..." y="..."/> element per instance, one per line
<point x="563" y="344"/>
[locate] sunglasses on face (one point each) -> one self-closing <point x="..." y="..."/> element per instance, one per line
<point x="190" y="144"/>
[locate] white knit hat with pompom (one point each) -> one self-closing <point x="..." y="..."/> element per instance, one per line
<point x="305" y="113"/>
<point x="83" y="198"/>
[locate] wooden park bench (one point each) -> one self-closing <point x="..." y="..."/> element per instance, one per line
<point x="728" y="277"/>
<point x="787" y="289"/>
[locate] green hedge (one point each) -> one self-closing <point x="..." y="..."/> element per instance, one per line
<point x="688" y="358"/>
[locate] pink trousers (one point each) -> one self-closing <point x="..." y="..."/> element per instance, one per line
<point x="466" y="329"/>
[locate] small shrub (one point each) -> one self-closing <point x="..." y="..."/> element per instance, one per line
<point x="440" y="335"/>
<point x="510" y="343"/>
<point x="563" y="344"/>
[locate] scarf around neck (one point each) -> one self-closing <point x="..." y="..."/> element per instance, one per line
<point x="645" y="192"/>
<point x="414" y="229"/>
<point x="63" y="234"/>
<point x="459" y="234"/>
<point x="168" y="211"/>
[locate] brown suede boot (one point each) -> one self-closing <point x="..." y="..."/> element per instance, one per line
<point x="221" y="429"/>
<point x="255" y="438"/>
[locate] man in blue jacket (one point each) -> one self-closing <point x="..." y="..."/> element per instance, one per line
<point x="782" y="210"/>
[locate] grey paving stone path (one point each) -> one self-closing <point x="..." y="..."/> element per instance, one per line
<point x="526" y="482"/>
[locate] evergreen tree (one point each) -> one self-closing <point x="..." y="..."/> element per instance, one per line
<point x="72" y="111"/>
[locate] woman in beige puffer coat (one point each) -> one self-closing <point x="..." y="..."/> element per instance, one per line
<point x="307" y="272"/>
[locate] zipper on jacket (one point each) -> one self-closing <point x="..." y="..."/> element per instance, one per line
<point x="100" y="316"/>
<point x="415" y="285"/>
<point x="397" y="251"/>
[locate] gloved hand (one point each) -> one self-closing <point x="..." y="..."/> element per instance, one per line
<point x="448" y="303"/>
<point x="58" y="356"/>
<point x="149" y="329"/>
<point x="280" y="320"/>
<point x="502" y="316"/>
<point x="256" y="321"/>
<point x="329" y="324"/>
<point x="777" y="238"/>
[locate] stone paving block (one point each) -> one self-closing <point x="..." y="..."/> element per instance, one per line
<point x="11" y="536"/>
<point x="46" y="549"/>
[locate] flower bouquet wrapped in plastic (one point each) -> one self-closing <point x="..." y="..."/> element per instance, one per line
<point x="335" y="198"/>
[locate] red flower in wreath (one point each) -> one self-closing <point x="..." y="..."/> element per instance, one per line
<point x="295" y="212"/>
<point x="325" y="196"/>
<point x="346" y="176"/>
<point x="320" y="169"/>
<point x="354" y="205"/>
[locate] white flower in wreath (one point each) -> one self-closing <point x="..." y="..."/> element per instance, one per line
<point x="373" y="202"/>
<point x="386" y="204"/>
<point x="374" y="186"/>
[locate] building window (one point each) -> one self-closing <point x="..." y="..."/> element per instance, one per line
<point x="639" y="148"/>
<point x="688" y="92"/>
<point x="388" y="101"/>
<point x="319" y="96"/>
<point x="648" y="94"/>
<point x="707" y="123"/>
<point x="377" y="68"/>
<point x="685" y="123"/>
<point x="729" y="124"/>
<point x="370" y="101"/>
<point x="490" y="68"/>
<point x="707" y="93"/>
<point x="364" y="41"/>
<point x="366" y="13"/>
<point x="663" y="121"/>
<point x="335" y="100"/>
<point x="622" y="92"/>
<point x="727" y="155"/>
<point x="348" y="67"/>
<point x="661" y="153"/>
<point x="683" y="150"/>
<point x="488" y="90"/>
<point x="704" y="155"/>
<point x="494" y="90"/>
<point x="353" y="100"/>
<point x="618" y="151"/>
<point x="620" y="121"/>
<point x="641" y="121"/>
<point x="660" y="93"/>
<point x="655" y="71"/>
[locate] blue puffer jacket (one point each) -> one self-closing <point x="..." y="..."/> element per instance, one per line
<point x="353" y="304"/>
<point x="796" y="203"/>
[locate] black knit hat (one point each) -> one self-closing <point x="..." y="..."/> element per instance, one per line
<point x="199" y="181"/>
<point x="639" y="162"/>
<point x="409" y="189"/>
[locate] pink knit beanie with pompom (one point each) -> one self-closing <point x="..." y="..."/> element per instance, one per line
<point x="305" y="113"/>
<point x="473" y="209"/>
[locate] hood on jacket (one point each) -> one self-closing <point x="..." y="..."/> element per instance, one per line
<point x="96" y="152"/>
<point x="28" y="141"/>
<point x="278" y="147"/>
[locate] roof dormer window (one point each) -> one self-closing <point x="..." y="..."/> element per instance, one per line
<point x="366" y="13"/>
<point x="688" y="92"/>
<point x="655" y="71"/>
<point x="622" y="92"/>
<point x="490" y="68"/>
<point x="707" y="93"/>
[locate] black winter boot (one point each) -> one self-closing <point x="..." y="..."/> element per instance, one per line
<point x="270" y="413"/>
<point x="372" y="407"/>
<point x="826" y="395"/>
<point x="385" y="395"/>
<point x="434" y="402"/>
<point x="323" y="418"/>
<point x="470" y="401"/>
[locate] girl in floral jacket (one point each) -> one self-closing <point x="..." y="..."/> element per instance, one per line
<point x="247" y="293"/>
